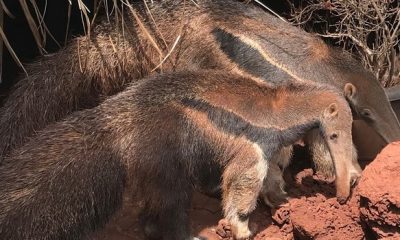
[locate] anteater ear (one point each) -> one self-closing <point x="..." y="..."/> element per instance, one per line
<point x="350" y="90"/>
<point x="331" y="111"/>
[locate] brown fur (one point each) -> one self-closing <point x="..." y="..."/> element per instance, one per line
<point x="273" y="191"/>
<point x="78" y="76"/>
<point x="165" y="136"/>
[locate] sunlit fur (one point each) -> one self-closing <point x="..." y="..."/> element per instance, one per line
<point x="166" y="136"/>
<point x="80" y="75"/>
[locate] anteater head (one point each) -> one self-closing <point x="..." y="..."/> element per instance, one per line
<point x="276" y="58"/>
<point x="369" y="102"/>
<point x="336" y="128"/>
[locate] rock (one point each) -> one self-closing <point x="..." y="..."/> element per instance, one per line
<point x="317" y="215"/>
<point x="379" y="190"/>
<point x="274" y="232"/>
<point x="323" y="219"/>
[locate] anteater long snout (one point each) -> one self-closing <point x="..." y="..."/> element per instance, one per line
<point x="337" y="126"/>
<point x="343" y="174"/>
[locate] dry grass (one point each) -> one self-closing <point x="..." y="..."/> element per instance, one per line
<point x="359" y="19"/>
<point x="35" y="20"/>
<point x="370" y="29"/>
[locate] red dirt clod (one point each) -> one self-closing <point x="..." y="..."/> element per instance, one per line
<point x="312" y="211"/>
<point x="379" y="190"/>
<point x="318" y="215"/>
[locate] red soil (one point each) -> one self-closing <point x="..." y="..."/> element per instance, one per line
<point x="379" y="190"/>
<point x="312" y="211"/>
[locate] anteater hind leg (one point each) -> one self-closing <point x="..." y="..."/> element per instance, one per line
<point x="273" y="192"/>
<point x="242" y="182"/>
<point x="165" y="213"/>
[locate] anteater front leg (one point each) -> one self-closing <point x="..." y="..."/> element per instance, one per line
<point x="273" y="192"/>
<point x="242" y="181"/>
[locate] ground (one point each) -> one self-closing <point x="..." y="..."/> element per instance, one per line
<point x="312" y="212"/>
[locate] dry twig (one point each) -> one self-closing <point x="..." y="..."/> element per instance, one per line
<point x="369" y="28"/>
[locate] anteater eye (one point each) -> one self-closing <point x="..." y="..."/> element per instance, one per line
<point x="366" y="113"/>
<point x="333" y="136"/>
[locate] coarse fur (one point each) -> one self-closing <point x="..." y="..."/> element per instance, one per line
<point x="207" y="36"/>
<point x="165" y="137"/>
<point x="261" y="46"/>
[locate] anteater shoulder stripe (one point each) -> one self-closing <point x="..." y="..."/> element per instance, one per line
<point x="236" y="125"/>
<point x="247" y="58"/>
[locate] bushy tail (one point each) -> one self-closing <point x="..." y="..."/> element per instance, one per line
<point x="52" y="90"/>
<point x="74" y="78"/>
<point x="55" y="189"/>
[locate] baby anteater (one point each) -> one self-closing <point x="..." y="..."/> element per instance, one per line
<point x="166" y="136"/>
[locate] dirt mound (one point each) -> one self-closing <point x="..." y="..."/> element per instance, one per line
<point x="315" y="213"/>
<point x="379" y="191"/>
<point x="312" y="211"/>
